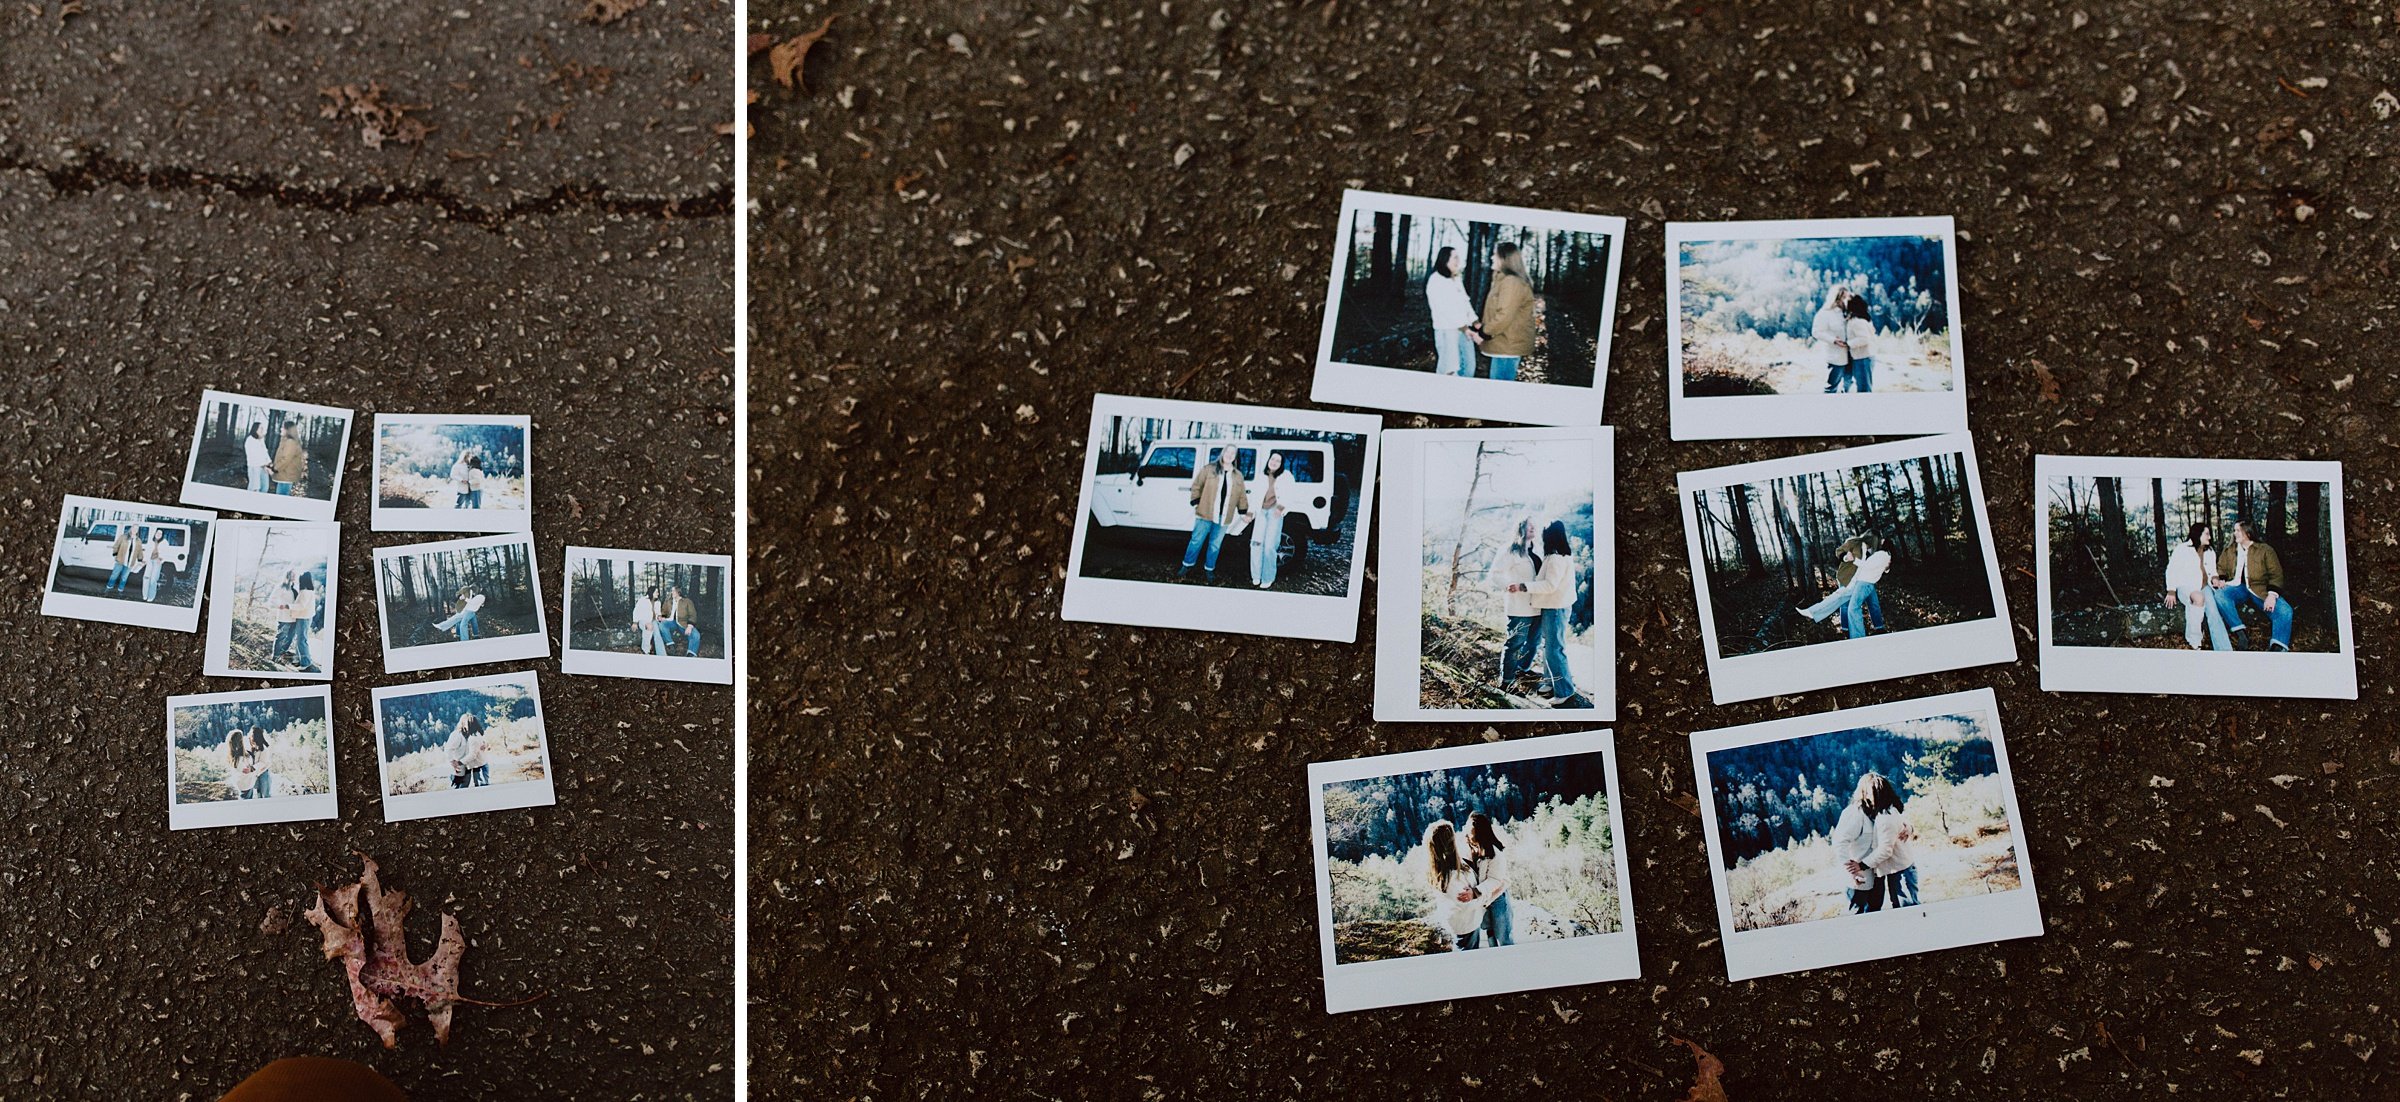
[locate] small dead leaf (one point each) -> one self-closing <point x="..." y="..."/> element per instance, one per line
<point x="277" y="921"/>
<point x="788" y="58"/>
<point x="575" y="507"/>
<point x="1690" y="805"/>
<point x="1137" y="800"/>
<point x="379" y="123"/>
<point x="2047" y="380"/>
<point x="1020" y="263"/>
<point x="1706" y="1083"/>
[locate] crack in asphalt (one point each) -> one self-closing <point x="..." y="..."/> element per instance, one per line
<point x="97" y="170"/>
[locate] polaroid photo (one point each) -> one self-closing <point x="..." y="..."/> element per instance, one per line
<point x="1223" y="518"/>
<point x="1469" y="310"/>
<point x="453" y="472"/>
<point x="123" y="562"/>
<point x="653" y="614"/>
<point x="1844" y="567"/>
<point x="1823" y="327"/>
<point x="1499" y="547"/>
<point x="263" y="756"/>
<point x="271" y="600"/>
<point x="269" y="457"/>
<point x="460" y="603"/>
<point x="1510" y="851"/>
<point x="463" y="746"/>
<point x="2217" y="577"/>
<point x="1864" y="834"/>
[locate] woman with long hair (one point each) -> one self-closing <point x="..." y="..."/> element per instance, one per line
<point x="1487" y="863"/>
<point x="1859" y="331"/>
<point x="1893" y="860"/>
<point x="460" y="489"/>
<point x="475" y="481"/>
<point x="469" y="768"/>
<point x="154" y="563"/>
<point x="260" y="463"/>
<point x="241" y="765"/>
<point x="1455" y="906"/>
<point x="645" y="622"/>
<point x="1853" y="838"/>
<point x="1829" y="331"/>
<point x="1453" y="316"/>
<point x="1514" y="570"/>
<point x="304" y="615"/>
<point x="2191" y="578"/>
<point x="1554" y="591"/>
<point x="264" y="787"/>
<point x="1268" y="493"/>
<point x="1507" y="312"/>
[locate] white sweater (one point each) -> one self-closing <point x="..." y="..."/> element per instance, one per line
<point x="1828" y="331"/>
<point x="2188" y="571"/>
<point x="1892" y="852"/>
<point x="1862" y="339"/>
<point x="254" y="452"/>
<point x="1448" y="300"/>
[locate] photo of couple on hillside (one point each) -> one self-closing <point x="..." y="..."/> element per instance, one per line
<point x="2202" y="564"/>
<point x="1507" y="575"/>
<point x="464" y="737"/>
<point x="1458" y="860"/>
<point x="251" y="750"/>
<point x="448" y="465"/>
<point x="1471" y="299"/>
<point x="1862" y="820"/>
<point x="1815" y="315"/>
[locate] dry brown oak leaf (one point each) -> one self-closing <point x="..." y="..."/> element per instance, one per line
<point x="381" y="975"/>
<point x="788" y="59"/>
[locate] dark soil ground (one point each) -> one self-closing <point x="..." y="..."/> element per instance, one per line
<point x="174" y="215"/>
<point x="1001" y="856"/>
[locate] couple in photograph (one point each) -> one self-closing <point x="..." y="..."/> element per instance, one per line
<point x="1537" y="575"/>
<point x="1846" y="338"/>
<point x="1864" y="562"/>
<point x="296" y="607"/>
<point x="2214" y="589"/>
<point x="284" y="472"/>
<point x="664" y="623"/>
<point x="464" y="621"/>
<point x="470" y="767"/>
<point x="131" y="558"/>
<point x="1873" y="841"/>
<point x="1470" y="900"/>
<point x="246" y="772"/>
<point x="1504" y="329"/>
<point x="1222" y="500"/>
<point x="466" y="480"/>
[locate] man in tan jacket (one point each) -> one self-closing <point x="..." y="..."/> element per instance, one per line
<point x="291" y="463"/>
<point x="2252" y="574"/>
<point x="686" y="616"/>
<point x="1218" y="498"/>
<point x="126" y="553"/>
<point x="1507" y="326"/>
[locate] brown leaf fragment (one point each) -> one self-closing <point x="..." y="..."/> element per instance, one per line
<point x="605" y="12"/>
<point x="278" y="920"/>
<point x="787" y="59"/>
<point x="1688" y="802"/>
<point x="378" y="122"/>
<point x="2047" y="380"/>
<point x="364" y="927"/>
<point x="1706" y="1085"/>
<point x="575" y="507"/>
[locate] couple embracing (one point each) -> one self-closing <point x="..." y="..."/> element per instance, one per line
<point x="1845" y="336"/>
<point x="1873" y="841"/>
<point x="1470" y="900"/>
<point x="1537" y="573"/>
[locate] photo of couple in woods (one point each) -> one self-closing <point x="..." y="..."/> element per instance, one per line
<point x="263" y="447"/>
<point x="1507" y="566"/>
<point x="430" y="598"/>
<point x="2202" y="564"/>
<point x="1466" y="859"/>
<point x="1884" y="817"/>
<point x="628" y="605"/>
<point x="1458" y="297"/>
<point x="273" y="611"/>
<point x="251" y="749"/>
<point x="1841" y="554"/>
<point x="1814" y="315"/>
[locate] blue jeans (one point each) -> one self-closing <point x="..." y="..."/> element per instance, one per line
<point x="262" y="480"/>
<point x="1266" y="548"/>
<point x="1900" y="888"/>
<point x="300" y="653"/>
<point x="691" y="642"/>
<point x="117" y="576"/>
<point x="1524" y="633"/>
<point x="1499" y="924"/>
<point x="465" y="627"/>
<point x="1862" y="598"/>
<point x="150" y="581"/>
<point x="2233" y="598"/>
<point x="1869" y="898"/>
<point x="283" y="489"/>
<point x="1504" y="368"/>
<point x="474" y="499"/>
<point x="1862" y="374"/>
<point x="1209" y="532"/>
<point x="1836" y="601"/>
<point x="652" y="642"/>
<point x="1453" y="353"/>
<point x="1560" y="680"/>
<point x="464" y="496"/>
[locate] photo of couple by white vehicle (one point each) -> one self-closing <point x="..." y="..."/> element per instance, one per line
<point x="260" y="455"/>
<point x="128" y="563"/>
<point x="452" y="473"/>
<point x="1507" y="556"/>
<point x="249" y="757"/>
<point x="647" y="614"/>
<point x="475" y="744"/>
<point x="1208" y="503"/>
<point x="273" y="601"/>
<point x="2204" y="564"/>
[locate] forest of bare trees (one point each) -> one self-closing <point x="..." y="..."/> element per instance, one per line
<point x="421" y="589"/>
<point x="2110" y="539"/>
<point x="1383" y="320"/>
<point x="220" y="459"/>
<point x="1768" y="546"/>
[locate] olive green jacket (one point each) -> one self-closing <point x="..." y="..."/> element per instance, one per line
<point x="2266" y="567"/>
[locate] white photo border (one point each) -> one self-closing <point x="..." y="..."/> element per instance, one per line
<point x="1371" y="387"/>
<point x="1877" y="935"/>
<point x="1400" y="596"/>
<point x="472" y="652"/>
<point x="593" y="663"/>
<point x="276" y="809"/>
<point x="1840" y="662"/>
<point x="1527" y="966"/>
<point x="1214" y="608"/>
<point x="1735" y="417"/>
<point x="218" y="651"/>
<point x="2296" y="675"/>
<point x="75" y="606"/>
<point x="464" y="801"/>
<point x="382" y="519"/>
<point x="258" y="504"/>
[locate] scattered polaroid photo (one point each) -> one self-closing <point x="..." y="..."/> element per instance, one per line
<point x="460" y="603"/>
<point x="1499" y="546"/>
<point x="263" y="756"/>
<point x="2219" y="577"/>
<point x="269" y="457"/>
<point x="1469" y="310"/>
<point x="271" y="600"/>
<point x="453" y="472"/>
<point x="1471" y="870"/>
<point x="463" y="746"/>
<point x="124" y="562"/>
<point x="1844" y="567"/>
<point x="1864" y="834"/>
<point x="653" y="614"/>
<point x="1223" y="518"/>
<point x="1826" y="327"/>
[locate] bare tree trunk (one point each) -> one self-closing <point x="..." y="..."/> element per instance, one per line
<point x="1745" y="533"/>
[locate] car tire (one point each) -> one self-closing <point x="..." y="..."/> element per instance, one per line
<point x="1298" y="532"/>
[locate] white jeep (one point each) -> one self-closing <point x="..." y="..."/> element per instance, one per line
<point x="94" y="552"/>
<point x="1156" y="493"/>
